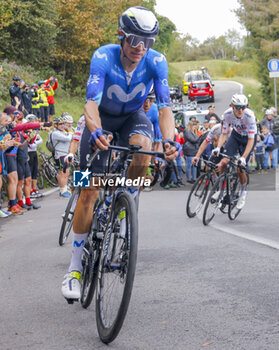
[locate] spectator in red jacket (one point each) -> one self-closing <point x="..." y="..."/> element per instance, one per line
<point x="50" y="99"/>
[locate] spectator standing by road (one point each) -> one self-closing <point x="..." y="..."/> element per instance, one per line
<point x="259" y="153"/>
<point x="270" y="148"/>
<point x="211" y="113"/>
<point x="15" y="93"/>
<point x="43" y="94"/>
<point x="190" y="149"/>
<point x="50" y="98"/>
<point x="36" y="102"/>
<point x="268" y="121"/>
<point x="61" y="142"/>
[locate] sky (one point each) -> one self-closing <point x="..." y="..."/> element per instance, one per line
<point x="201" y="18"/>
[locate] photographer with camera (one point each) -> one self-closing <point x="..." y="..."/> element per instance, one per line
<point x="50" y="98"/>
<point x="15" y="93"/>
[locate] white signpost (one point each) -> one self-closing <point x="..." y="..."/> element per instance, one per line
<point x="273" y="66"/>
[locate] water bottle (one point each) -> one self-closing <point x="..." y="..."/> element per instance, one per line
<point x="103" y="210"/>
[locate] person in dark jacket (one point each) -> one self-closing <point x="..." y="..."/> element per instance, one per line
<point x="15" y="93"/>
<point x="268" y="121"/>
<point x="190" y="149"/>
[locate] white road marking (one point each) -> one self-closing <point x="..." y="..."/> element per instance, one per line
<point x="267" y="242"/>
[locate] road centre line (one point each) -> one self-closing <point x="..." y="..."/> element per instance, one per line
<point x="260" y="240"/>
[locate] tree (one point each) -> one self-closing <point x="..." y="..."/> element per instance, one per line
<point x="29" y="34"/>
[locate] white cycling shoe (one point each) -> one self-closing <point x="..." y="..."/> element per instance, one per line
<point x="71" y="285"/>
<point x="241" y="201"/>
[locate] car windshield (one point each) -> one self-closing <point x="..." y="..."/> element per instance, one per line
<point x="200" y="86"/>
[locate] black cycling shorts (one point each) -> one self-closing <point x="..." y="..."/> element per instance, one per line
<point x="60" y="162"/>
<point x="127" y="126"/>
<point x="51" y="109"/>
<point x="33" y="164"/>
<point x="237" y="144"/>
<point x="11" y="163"/>
<point x="23" y="169"/>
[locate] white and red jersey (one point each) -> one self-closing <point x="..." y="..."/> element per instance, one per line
<point x="214" y="131"/>
<point x="79" y="129"/>
<point x="245" y="126"/>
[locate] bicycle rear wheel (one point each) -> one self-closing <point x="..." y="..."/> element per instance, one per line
<point x="197" y="195"/>
<point x="68" y="217"/>
<point x="214" y="201"/>
<point x="117" y="268"/>
<point x="51" y="174"/>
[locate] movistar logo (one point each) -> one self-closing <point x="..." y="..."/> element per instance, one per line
<point x="122" y="95"/>
<point x="76" y="244"/>
<point x="100" y="55"/>
<point x="158" y="59"/>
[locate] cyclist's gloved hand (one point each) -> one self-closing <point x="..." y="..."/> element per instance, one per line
<point x="242" y="162"/>
<point x="98" y="139"/>
<point x="69" y="158"/>
<point x="216" y="151"/>
<point x="195" y="160"/>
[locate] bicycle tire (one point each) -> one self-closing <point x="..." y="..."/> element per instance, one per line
<point x="40" y="180"/>
<point x="233" y="212"/>
<point x="216" y="203"/>
<point x="50" y="174"/>
<point x="125" y="272"/>
<point x="67" y="222"/>
<point x="90" y="260"/>
<point x="203" y="183"/>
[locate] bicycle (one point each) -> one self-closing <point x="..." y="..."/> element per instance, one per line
<point x="225" y="192"/>
<point x="68" y="216"/>
<point x="199" y="190"/>
<point x="110" y="253"/>
<point x="48" y="169"/>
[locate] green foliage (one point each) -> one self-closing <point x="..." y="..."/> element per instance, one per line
<point x="29" y="35"/>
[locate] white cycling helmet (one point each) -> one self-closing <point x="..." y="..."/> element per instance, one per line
<point x="67" y="117"/>
<point x="239" y="100"/>
<point x="269" y="112"/>
<point x="31" y="117"/>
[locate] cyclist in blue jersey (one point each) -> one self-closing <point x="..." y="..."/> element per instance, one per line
<point x="120" y="78"/>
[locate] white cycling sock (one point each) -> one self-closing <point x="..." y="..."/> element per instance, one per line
<point x="63" y="189"/>
<point x="77" y="250"/>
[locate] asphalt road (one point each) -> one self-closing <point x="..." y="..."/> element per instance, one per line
<point x="196" y="287"/>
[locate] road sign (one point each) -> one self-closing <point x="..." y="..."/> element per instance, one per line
<point x="273" y="74"/>
<point x="273" y="65"/>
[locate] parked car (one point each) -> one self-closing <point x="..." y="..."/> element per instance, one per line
<point x="201" y="91"/>
<point x="193" y="75"/>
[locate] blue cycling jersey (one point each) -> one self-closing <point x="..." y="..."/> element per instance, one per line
<point x="153" y="116"/>
<point x="107" y="83"/>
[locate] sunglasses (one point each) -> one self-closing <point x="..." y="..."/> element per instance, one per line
<point x="135" y="40"/>
<point x="238" y="108"/>
<point x="61" y="123"/>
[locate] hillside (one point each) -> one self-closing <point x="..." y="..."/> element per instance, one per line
<point x="242" y="72"/>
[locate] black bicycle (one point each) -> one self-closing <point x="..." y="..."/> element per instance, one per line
<point x="225" y="193"/>
<point x="199" y="190"/>
<point x="110" y="253"/>
<point x="48" y="168"/>
<point x="68" y="217"/>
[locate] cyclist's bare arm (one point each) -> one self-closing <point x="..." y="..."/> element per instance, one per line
<point x="93" y="122"/>
<point x="200" y="151"/>
<point x="167" y="127"/>
<point x="248" y="148"/>
<point x="222" y="139"/>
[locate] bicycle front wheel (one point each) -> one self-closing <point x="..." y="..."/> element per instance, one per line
<point x="197" y="195"/>
<point x="51" y="175"/>
<point x="68" y="218"/>
<point x="117" y="268"/>
<point x="234" y="183"/>
<point x="214" y="201"/>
